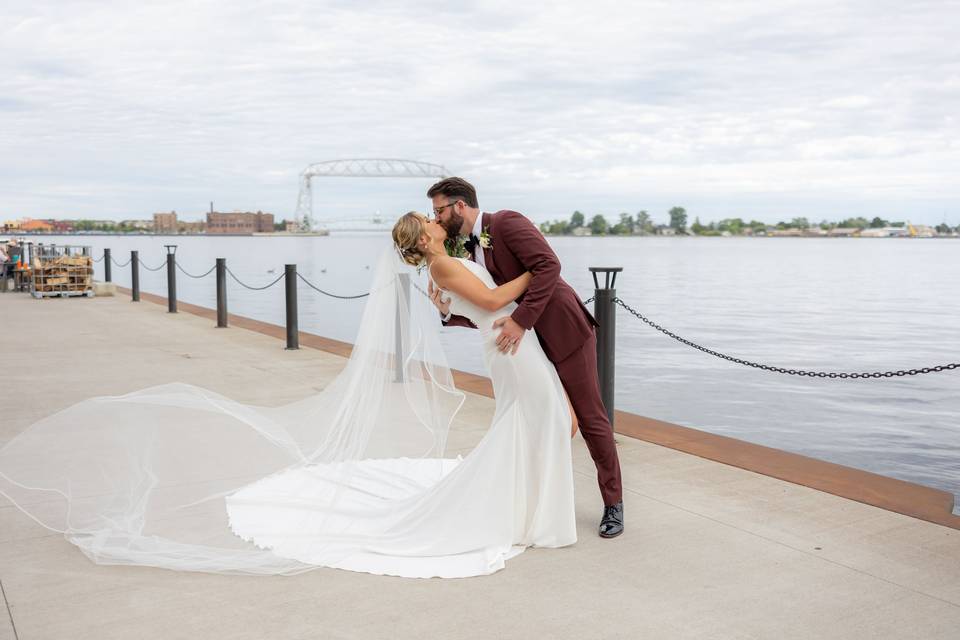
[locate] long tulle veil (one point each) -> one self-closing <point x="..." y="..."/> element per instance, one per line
<point x="142" y="478"/>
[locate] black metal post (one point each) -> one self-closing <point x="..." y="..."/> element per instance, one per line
<point x="171" y="283"/>
<point x="221" y="292"/>
<point x="107" y="273"/>
<point x="290" y="282"/>
<point x="403" y="294"/>
<point x="135" y="275"/>
<point x="604" y="311"/>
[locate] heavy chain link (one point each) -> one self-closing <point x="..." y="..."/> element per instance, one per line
<point x="793" y="372"/>
<point x="162" y="265"/>
<point x="327" y="293"/>
<point x="190" y="275"/>
<point x="247" y="286"/>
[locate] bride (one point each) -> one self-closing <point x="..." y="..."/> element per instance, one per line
<point x="356" y="477"/>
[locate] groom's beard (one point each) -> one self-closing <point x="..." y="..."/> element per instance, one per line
<point x="453" y="225"/>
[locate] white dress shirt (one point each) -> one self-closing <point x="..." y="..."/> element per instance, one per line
<point x="477" y="230"/>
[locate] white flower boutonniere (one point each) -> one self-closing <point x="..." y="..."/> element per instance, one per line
<point x="485" y="240"/>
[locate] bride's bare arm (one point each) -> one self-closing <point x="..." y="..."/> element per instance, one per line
<point x="452" y="275"/>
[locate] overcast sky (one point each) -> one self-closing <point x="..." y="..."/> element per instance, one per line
<point x="765" y="109"/>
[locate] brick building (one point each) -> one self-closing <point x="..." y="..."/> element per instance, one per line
<point x="165" y="222"/>
<point x="239" y="222"/>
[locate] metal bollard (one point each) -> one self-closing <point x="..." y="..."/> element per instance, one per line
<point x="135" y="275"/>
<point x="403" y="294"/>
<point x="604" y="311"/>
<point x="171" y="278"/>
<point x="221" y="292"/>
<point x="107" y="272"/>
<point x="290" y="282"/>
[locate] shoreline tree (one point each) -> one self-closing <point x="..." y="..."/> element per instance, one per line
<point x="678" y="219"/>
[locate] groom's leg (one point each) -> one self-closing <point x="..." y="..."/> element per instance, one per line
<point x="578" y="373"/>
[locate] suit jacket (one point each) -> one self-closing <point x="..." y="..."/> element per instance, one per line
<point x="549" y="306"/>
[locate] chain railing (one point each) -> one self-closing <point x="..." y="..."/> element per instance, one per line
<point x="793" y="372"/>
<point x="604" y="299"/>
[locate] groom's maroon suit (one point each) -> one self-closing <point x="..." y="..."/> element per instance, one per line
<point x="564" y="327"/>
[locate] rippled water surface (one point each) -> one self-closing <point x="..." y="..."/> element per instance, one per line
<point x="821" y="304"/>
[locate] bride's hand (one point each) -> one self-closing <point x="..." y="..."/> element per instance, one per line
<point x="436" y="295"/>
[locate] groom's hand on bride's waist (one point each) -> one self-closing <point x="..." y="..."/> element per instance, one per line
<point x="510" y="336"/>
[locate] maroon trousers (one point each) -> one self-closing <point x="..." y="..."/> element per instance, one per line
<point x="578" y="373"/>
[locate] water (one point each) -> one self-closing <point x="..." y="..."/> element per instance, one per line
<point x="822" y="304"/>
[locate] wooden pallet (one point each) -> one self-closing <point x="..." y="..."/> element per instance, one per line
<point x="62" y="294"/>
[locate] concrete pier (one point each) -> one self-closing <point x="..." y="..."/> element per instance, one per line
<point x="710" y="551"/>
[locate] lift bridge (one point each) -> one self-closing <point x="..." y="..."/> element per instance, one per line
<point x="357" y="168"/>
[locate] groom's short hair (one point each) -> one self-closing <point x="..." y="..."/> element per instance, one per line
<point x="455" y="188"/>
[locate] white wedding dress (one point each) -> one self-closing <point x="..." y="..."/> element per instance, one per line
<point x="356" y="476"/>
<point x="434" y="517"/>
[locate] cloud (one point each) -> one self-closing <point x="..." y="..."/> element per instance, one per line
<point x="760" y="107"/>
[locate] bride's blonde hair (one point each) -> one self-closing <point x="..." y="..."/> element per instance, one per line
<point x="406" y="235"/>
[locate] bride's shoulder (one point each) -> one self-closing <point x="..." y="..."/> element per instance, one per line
<point x="444" y="267"/>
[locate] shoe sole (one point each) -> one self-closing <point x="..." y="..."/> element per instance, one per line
<point x="611" y="535"/>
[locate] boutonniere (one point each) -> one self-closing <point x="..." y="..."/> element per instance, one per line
<point x="486" y="241"/>
<point x="455" y="247"/>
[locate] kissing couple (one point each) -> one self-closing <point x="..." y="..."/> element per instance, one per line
<point x="359" y="476"/>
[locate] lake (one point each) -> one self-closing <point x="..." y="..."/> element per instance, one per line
<point x="831" y="304"/>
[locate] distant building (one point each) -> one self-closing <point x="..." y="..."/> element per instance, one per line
<point x="165" y="222"/>
<point x="197" y="226"/>
<point x="785" y="233"/>
<point x="582" y="231"/>
<point x="36" y="226"/>
<point x="844" y="232"/>
<point x="666" y="231"/>
<point x="239" y="222"/>
<point x="62" y="226"/>
<point x="139" y="225"/>
<point x="292" y="226"/>
<point x="921" y="231"/>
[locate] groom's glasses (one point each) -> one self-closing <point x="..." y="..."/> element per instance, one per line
<point x="437" y="210"/>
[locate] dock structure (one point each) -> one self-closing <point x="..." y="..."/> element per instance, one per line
<point x="711" y="550"/>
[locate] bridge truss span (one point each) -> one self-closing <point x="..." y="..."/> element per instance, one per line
<point x="358" y="168"/>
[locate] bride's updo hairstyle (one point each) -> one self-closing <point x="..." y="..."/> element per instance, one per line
<point x="406" y="234"/>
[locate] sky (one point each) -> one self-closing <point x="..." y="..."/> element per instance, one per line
<point x="763" y="110"/>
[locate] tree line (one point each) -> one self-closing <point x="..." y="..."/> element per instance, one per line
<point x="641" y="223"/>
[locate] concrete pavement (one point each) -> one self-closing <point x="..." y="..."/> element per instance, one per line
<point x="710" y="551"/>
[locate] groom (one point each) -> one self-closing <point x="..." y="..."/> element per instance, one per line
<point x="507" y="244"/>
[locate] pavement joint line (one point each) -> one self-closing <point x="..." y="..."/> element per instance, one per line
<point x="789" y="546"/>
<point x="9" y="614"/>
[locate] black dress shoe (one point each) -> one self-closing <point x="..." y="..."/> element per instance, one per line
<point x="611" y="525"/>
